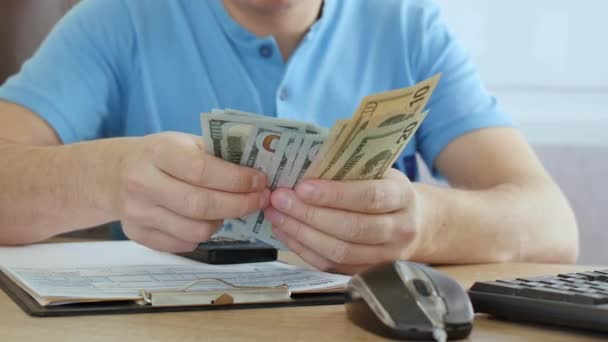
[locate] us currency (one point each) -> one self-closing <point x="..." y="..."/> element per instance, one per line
<point x="218" y="138"/>
<point x="288" y="151"/>
<point x="235" y="137"/>
<point x="234" y="112"/>
<point x="307" y="153"/>
<point x="313" y="169"/>
<point x="212" y="132"/>
<point x="376" y="110"/>
<point x="252" y="118"/>
<point x="284" y="154"/>
<point x="261" y="148"/>
<point x="272" y="160"/>
<point x="267" y="144"/>
<point x="374" y="150"/>
<point x="286" y="160"/>
<point x="292" y="147"/>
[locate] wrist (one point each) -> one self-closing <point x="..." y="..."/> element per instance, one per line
<point x="104" y="163"/>
<point x="430" y="223"/>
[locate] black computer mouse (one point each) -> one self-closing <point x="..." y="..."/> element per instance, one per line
<point x="409" y="301"/>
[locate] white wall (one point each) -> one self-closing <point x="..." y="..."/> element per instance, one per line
<point x="546" y="61"/>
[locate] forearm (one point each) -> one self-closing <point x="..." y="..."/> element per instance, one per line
<point x="525" y="221"/>
<point x="47" y="191"/>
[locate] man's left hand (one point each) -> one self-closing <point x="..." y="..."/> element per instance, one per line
<point x="346" y="227"/>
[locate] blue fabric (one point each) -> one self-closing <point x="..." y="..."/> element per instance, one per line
<point x="134" y="67"/>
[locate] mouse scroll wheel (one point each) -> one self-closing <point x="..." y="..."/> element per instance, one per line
<point x="422" y="287"/>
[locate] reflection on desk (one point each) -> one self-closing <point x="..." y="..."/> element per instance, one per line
<point x="319" y="323"/>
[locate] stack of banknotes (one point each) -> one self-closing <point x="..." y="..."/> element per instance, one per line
<point x="288" y="151"/>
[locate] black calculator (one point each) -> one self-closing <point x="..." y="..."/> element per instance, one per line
<point x="232" y="251"/>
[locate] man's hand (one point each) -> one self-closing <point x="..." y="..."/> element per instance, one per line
<point x="346" y="227"/>
<point x="173" y="195"/>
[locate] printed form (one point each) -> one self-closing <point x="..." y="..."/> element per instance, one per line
<point x="73" y="272"/>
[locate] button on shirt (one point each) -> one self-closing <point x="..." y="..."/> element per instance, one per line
<point x="266" y="51"/>
<point x="134" y="67"/>
<point x="283" y="94"/>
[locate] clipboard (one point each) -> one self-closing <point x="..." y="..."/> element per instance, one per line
<point x="32" y="308"/>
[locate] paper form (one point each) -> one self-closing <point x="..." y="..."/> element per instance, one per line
<point x="72" y="272"/>
<point x="87" y="254"/>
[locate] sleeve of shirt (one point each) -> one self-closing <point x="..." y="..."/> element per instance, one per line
<point x="460" y="104"/>
<point x="76" y="78"/>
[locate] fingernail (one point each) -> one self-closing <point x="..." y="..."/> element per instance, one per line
<point x="307" y="191"/>
<point x="275" y="217"/>
<point x="264" y="199"/>
<point x="282" y="201"/>
<point x="259" y="182"/>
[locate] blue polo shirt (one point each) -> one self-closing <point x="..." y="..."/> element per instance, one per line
<point x="134" y="67"/>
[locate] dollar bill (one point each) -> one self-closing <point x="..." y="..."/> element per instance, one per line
<point x="378" y="110"/>
<point x="224" y="127"/>
<point x="308" y="152"/>
<point x="313" y="170"/>
<point x="256" y="224"/>
<point x="212" y="133"/>
<point x="261" y="148"/>
<point x="254" y="119"/>
<point x="234" y="140"/>
<point x="408" y="134"/>
<point x="235" y="112"/>
<point x="287" y="159"/>
<point x="373" y="150"/>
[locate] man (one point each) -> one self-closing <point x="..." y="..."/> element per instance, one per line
<point x="80" y="142"/>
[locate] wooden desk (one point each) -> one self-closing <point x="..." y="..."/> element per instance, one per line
<point x="320" y="323"/>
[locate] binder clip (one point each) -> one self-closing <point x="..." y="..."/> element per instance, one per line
<point x="233" y="295"/>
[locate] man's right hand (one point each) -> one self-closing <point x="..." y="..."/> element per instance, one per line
<point x="174" y="195"/>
